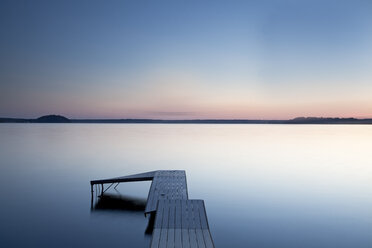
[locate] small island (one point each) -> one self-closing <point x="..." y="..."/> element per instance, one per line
<point x="52" y="119"/>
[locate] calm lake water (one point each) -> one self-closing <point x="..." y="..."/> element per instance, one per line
<point x="263" y="185"/>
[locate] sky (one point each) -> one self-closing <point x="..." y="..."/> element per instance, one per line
<point x="267" y="59"/>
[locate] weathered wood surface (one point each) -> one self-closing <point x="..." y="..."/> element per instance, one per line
<point x="166" y="185"/>
<point x="147" y="176"/>
<point x="181" y="223"/>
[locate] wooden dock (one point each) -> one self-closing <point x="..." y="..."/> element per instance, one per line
<point x="179" y="222"/>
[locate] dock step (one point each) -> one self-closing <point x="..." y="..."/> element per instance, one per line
<point x="181" y="223"/>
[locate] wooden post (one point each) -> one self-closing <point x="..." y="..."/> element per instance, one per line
<point x="91" y="199"/>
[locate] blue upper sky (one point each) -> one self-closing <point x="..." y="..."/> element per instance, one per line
<point x="186" y="59"/>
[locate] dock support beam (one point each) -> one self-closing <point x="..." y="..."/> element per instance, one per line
<point x="91" y="199"/>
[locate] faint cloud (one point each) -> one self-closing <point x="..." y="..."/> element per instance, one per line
<point x="171" y="113"/>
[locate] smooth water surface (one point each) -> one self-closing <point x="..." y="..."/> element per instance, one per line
<point x="263" y="185"/>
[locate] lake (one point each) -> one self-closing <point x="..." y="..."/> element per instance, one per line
<point x="263" y="185"/>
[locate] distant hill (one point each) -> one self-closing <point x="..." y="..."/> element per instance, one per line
<point x="327" y="120"/>
<point x="52" y="119"/>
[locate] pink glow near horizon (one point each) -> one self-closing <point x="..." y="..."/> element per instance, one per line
<point x="190" y="99"/>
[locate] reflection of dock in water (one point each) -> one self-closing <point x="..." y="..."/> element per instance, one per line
<point x="179" y="222"/>
<point x="116" y="202"/>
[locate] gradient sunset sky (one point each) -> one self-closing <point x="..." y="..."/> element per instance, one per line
<point x="186" y="59"/>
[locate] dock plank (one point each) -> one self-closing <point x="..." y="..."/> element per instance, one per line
<point x="192" y="235"/>
<point x="177" y="238"/>
<point x="163" y="237"/>
<point x="185" y="238"/>
<point x="200" y="238"/>
<point x="155" y="238"/>
<point x="207" y="238"/>
<point x="203" y="215"/>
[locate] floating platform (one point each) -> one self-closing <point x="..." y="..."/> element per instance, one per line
<point x="179" y="222"/>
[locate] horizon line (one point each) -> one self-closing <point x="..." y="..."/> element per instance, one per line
<point x="302" y="119"/>
<point x="192" y="119"/>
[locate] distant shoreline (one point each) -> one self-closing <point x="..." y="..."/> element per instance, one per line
<point x="298" y="120"/>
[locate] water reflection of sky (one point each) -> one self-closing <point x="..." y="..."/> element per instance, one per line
<point x="263" y="185"/>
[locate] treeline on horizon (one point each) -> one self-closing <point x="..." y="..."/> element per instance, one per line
<point x="298" y="120"/>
